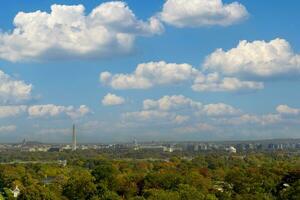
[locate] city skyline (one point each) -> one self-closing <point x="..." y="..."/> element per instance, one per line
<point x="165" y="70"/>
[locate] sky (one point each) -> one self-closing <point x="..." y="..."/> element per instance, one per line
<point x="151" y="70"/>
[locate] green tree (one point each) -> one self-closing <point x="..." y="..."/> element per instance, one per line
<point x="167" y="180"/>
<point x="37" y="192"/>
<point x="80" y="186"/>
<point x="155" y="194"/>
<point x="105" y="173"/>
<point x="187" y="192"/>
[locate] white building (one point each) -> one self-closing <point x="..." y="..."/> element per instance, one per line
<point x="16" y="192"/>
<point x="231" y="149"/>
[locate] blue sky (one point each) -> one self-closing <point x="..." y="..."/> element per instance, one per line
<point x="186" y="89"/>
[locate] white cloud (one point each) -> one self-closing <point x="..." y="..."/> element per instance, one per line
<point x="286" y="110"/>
<point x="13" y="91"/>
<point x="255" y="59"/>
<point x="46" y="110"/>
<point x="11" y="111"/>
<point x="214" y="83"/>
<point x="229" y="71"/>
<point x="250" y="119"/>
<point x="6" y="129"/>
<point x="220" y="109"/>
<point x="154" y="116"/>
<point x="79" y="112"/>
<point x="179" y="119"/>
<point x="168" y="103"/>
<point x="284" y="115"/>
<point x="178" y="109"/>
<point x="218" y="118"/>
<point x="269" y="119"/>
<point x="235" y="70"/>
<point x="150" y="74"/>
<point x="197" y="13"/>
<point x="164" y="110"/>
<point x="112" y="99"/>
<point x="51" y="110"/>
<point x="146" y="115"/>
<point x="177" y="103"/>
<point x="66" y="31"/>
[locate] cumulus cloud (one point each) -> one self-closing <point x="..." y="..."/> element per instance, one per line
<point x="215" y="83"/>
<point x="154" y="116"/>
<point x="255" y="59"/>
<point x="112" y="99"/>
<point x="51" y="110"/>
<point x="179" y="109"/>
<point x="146" y="115"/>
<point x="79" y="112"/>
<point x="286" y="110"/>
<point x="179" y="119"/>
<point x="178" y="115"/>
<point x="6" y="129"/>
<point x="150" y="74"/>
<point x="168" y="103"/>
<point x="182" y="103"/>
<point x="170" y="109"/>
<point x="250" y="119"/>
<point x="220" y="109"/>
<point x="11" y="111"/>
<point x="197" y="13"/>
<point x="67" y="32"/>
<point x="13" y="91"/>
<point x="46" y="110"/>
<point x="240" y="69"/>
<point x="284" y="115"/>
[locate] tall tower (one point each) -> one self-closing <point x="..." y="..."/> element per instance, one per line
<point x="74" y="140"/>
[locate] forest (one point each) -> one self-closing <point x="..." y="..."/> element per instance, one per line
<point x="99" y="176"/>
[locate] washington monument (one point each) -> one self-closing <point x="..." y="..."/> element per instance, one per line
<point x="74" y="141"/>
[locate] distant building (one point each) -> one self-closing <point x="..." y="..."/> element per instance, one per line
<point x="83" y="147"/>
<point x="62" y="162"/>
<point x="192" y="147"/>
<point x="172" y="149"/>
<point x="203" y="147"/>
<point x="168" y="149"/>
<point x="16" y="192"/>
<point x="231" y="149"/>
<point x="67" y="147"/>
<point x="153" y="147"/>
<point x="55" y="149"/>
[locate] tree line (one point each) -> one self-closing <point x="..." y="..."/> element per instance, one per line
<point x="212" y="176"/>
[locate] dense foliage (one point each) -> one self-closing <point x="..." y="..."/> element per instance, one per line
<point x="204" y="177"/>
